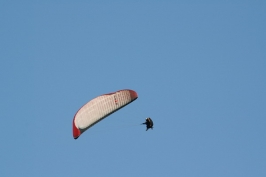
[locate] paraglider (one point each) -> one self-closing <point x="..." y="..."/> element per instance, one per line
<point x="149" y="123"/>
<point x="99" y="108"/>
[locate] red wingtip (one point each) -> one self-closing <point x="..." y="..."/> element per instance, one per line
<point x="133" y="94"/>
<point x="76" y="131"/>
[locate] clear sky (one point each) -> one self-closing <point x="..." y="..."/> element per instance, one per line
<point x="199" y="69"/>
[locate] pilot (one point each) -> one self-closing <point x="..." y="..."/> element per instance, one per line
<point x="149" y="123"/>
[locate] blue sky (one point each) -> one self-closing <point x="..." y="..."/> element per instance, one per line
<point x="198" y="68"/>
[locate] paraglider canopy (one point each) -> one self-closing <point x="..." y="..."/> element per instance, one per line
<point x="99" y="108"/>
